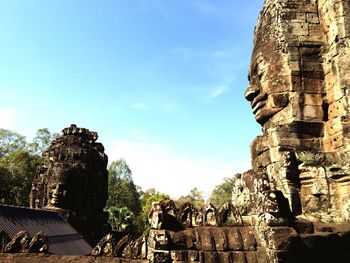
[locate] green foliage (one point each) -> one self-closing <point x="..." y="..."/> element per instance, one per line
<point x="222" y="193"/>
<point x="121" y="189"/>
<point x="41" y="141"/>
<point x="120" y="169"/>
<point x="18" y="162"/>
<point x="17" y="172"/>
<point x="123" y="193"/>
<point x="195" y="197"/>
<point x="148" y="197"/>
<point x="10" y="141"/>
<point x="120" y="218"/>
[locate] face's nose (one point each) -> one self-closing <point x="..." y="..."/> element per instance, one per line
<point x="57" y="190"/>
<point x="252" y="92"/>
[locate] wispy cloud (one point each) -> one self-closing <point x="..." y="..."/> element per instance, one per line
<point x="207" y="7"/>
<point x="171" y="107"/>
<point x="220" y="10"/>
<point x="139" y="105"/>
<point x="224" y="54"/>
<point x="218" y="90"/>
<point x="214" y="92"/>
<point x="222" y="61"/>
<point x="188" y="53"/>
<point x="7" y="118"/>
<point x="161" y="167"/>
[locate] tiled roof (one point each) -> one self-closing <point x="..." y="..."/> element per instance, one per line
<point x="63" y="238"/>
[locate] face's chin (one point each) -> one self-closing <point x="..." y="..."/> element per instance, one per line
<point x="263" y="114"/>
<point x="55" y="201"/>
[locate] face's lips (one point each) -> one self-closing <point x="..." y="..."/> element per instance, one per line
<point x="54" y="201"/>
<point x="258" y="106"/>
<point x="259" y="102"/>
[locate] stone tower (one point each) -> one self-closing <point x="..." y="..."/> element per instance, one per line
<point x="299" y="92"/>
<point x="72" y="179"/>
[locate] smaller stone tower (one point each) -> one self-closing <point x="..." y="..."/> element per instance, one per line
<point x="72" y="179"/>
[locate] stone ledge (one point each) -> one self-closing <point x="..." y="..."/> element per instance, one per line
<point x="35" y="258"/>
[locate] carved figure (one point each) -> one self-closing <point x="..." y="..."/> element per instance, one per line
<point x="210" y="212"/>
<point x="162" y="216"/>
<point x="155" y="216"/>
<point x="39" y="243"/>
<point x="197" y="217"/>
<point x="228" y="215"/>
<point x="185" y="215"/>
<point x="136" y="249"/>
<point x="4" y="240"/>
<point x="121" y="245"/>
<point x="105" y="247"/>
<point x="19" y="243"/>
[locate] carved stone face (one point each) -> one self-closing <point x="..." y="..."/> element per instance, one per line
<point x="269" y="79"/>
<point x="57" y="194"/>
<point x="66" y="188"/>
<point x="57" y="187"/>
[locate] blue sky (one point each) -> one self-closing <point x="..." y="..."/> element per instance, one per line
<point x="162" y="82"/>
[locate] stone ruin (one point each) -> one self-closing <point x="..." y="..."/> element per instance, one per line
<point x="293" y="206"/>
<point x="72" y="179"/>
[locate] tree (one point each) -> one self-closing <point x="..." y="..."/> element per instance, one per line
<point x="195" y="197"/>
<point x="10" y="141"/>
<point x="150" y="196"/>
<point x="18" y="162"/>
<point x="120" y="218"/>
<point x="222" y="193"/>
<point x="42" y="141"/>
<point x="121" y="189"/>
<point x="147" y="198"/>
<point x="120" y="169"/>
<point x="17" y="170"/>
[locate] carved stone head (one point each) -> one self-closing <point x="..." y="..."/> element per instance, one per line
<point x="67" y="187"/>
<point x="269" y="78"/>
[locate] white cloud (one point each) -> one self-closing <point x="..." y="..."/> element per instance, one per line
<point x="159" y="166"/>
<point x="7" y="118"/>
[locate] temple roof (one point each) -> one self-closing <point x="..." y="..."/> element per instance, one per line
<point x="63" y="238"/>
